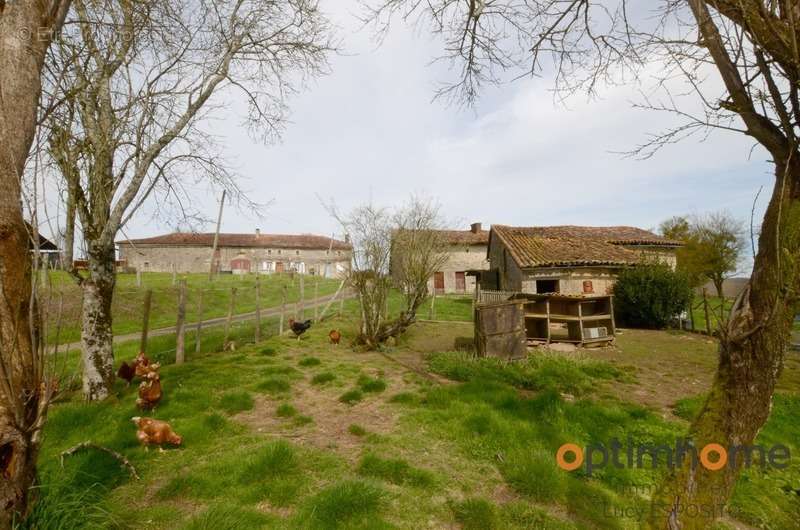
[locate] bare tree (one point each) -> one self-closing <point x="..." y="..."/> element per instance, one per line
<point x="26" y="31"/>
<point x="132" y="84"/>
<point x="751" y="46"/>
<point x="401" y="248"/>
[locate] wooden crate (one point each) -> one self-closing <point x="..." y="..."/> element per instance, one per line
<point x="500" y="330"/>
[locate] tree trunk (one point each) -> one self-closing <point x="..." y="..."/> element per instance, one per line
<point x="751" y="354"/>
<point x="22" y="408"/>
<point x="96" y="332"/>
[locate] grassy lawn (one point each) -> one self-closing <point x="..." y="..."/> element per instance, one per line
<point x="288" y="434"/>
<point x="129" y="299"/>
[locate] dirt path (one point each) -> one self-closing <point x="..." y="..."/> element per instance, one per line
<point x="213" y="322"/>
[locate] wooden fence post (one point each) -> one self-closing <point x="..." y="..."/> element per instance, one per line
<point x="231" y="307"/>
<point x="691" y="315"/>
<point x="174" y="275"/>
<point x="316" y="302"/>
<point x="432" y="311"/>
<point x="283" y="311"/>
<point x="148" y="299"/>
<point x="258" y="309"/>
<point x="138" y="278"/>
<point x="706" y="311"/>
<point x="341" y="306"/>
<point x="180" y="326"/>
<point x="302" y="303"/>
<point x="199" y="320"/>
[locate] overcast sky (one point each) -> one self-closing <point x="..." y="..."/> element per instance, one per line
<point x="370" y="131"/>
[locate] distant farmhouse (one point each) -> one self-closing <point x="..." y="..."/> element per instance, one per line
<point x="571" y="260"/>
<point x="239" y="253"/>
<point x="466" y="250"/>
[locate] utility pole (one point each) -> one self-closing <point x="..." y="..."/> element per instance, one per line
<point x="216" y="238"/>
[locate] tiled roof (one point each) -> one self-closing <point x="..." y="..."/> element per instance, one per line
<point x="626" y="235"/>
<point x="570" y="246"/>
<point x="302" y="241"/>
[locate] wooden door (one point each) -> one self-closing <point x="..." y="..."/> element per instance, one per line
<point x="279" y="267"/>
<point x="461" y="282"/>
<point x="438" y="282"/>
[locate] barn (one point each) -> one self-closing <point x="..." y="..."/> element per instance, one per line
<point x="238" y="253"/>
<point x="571" y="260"/>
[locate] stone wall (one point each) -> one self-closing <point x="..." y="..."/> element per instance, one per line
<point x="462" y="259"/>
<point x="160" y="258"/>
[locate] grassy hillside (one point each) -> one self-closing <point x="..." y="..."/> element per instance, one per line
<point x="128" y="298"/>
<point x="289" y="434"/>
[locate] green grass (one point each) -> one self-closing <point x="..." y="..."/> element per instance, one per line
<point x="371" y="385"/>
<point x="322" y="378"/>
<point x="285" y="410"/>
<point x="425" y="455"/>
<point x="309" y="361"/>
<point x="129" y="299"/>
<point x="234" y="402"/>
<point x="351" y="396"/>
<point x="394" y="470"/>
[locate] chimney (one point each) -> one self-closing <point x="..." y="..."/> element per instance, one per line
<point x="258" y="233"/>
<point x="475" y="228"/>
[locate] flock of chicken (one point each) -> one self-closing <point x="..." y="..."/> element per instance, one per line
<point x="148" y="430"/>
<point x="155" y="432"/>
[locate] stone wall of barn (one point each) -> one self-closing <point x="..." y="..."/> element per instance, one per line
<point x="462" y="259"/>
<point x="572" y="280"/>
<point x="161" y="258"/>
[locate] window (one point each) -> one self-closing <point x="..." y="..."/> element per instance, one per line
<point x="588" y="288"/>
<point x="546" y="286"/>
<point x="269" y="251"/>
<point x="297" y="252"/>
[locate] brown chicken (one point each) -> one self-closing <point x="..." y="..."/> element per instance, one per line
<point x="155" y="432"/>
<point x="149" y="391"/>
<point x="335" y="336"/>
<point x="142" y="370"/>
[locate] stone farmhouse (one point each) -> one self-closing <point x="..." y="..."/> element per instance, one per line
<point x="572" y="260"/>
<point x="466" y="259"/>
<point x="239" y="253"/>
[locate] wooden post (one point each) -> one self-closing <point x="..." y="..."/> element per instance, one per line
<point x="341" y="306"/>
<point x="231" y="307"/>
<point x="432" y="311"/>
<point x="335" y="295"/>
<point x="302" y="302"/>
<point x="705" y="309"/>
<point x="148" y="299"/>
<point x="691" y="315"/>
<point x="212" y="269"/>
<point x="138" y="278"/>
<point x="316" y="302"/>
<point x="174" y="275"/>
<point x="199" y="328"/>
<point x="283" y="311"/>
<point x="180" y="326"/>
<point x="258" y="310"/>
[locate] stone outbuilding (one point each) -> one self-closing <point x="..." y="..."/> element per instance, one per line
<point x="573" y="260"/>
<point x="466" y="259"/>
<point x="239" y="253"/>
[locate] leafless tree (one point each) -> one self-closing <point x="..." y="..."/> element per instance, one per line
<point x="400" y="248"/>
<point x="130" y="85"/>
<point x="26" y="31"/>
<point x="717" y="64"/>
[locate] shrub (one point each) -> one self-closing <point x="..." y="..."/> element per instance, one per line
<point x="649" y="296"/>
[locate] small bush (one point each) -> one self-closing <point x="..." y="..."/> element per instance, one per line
<point x="352" y="396"/>
<point x="475" y="514"/>
<point x="650" y="296"/>
<point x="357" y="430"/>
<point x="233" y="402"/>
<point x="369" y="384"/>
<point x="285" y="411"/>
<point x="322" y="378"/>
<point x="309" y="361"/>
<point x="396" y="471"/>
